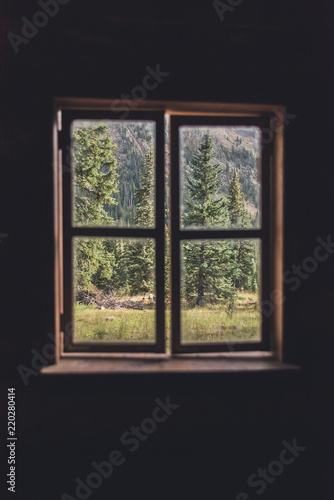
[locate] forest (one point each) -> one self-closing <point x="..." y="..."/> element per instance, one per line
<point x="114" y="185"/>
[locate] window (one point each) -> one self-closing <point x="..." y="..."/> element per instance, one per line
<point x="170" y="217"/>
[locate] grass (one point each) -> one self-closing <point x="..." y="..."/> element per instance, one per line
<point x="130" y="325"/>
<point x="212" y="324"/>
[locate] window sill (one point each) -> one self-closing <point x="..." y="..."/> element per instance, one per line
<point x="71" y="364"/>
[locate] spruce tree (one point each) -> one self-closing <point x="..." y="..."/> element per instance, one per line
<point x="245" y="275"/>
<point x="206" y="208"/>
<point x="95" y="181"/>
<point x="141" y="254"/>
<point x="95" y="178"/>
<point x="238" y="213"/>
<point x="206" y="262"/>
<point x="145" y="194"/>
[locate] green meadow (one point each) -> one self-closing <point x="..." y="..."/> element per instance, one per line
<point x="199" y="324"/>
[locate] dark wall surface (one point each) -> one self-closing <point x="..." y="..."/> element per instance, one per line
<point x="228" y="425"/>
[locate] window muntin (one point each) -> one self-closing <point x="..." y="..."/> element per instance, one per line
<point x="268" y="233"/>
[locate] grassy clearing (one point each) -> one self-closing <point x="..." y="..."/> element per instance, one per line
<point x="216" y="325"/>
<point x="131" y="325"/>
<point x="198" y="324"/>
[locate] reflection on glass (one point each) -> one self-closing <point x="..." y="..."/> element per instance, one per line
<point x="114" y="289"/>
<point x="220" y="172"/>
<point x="220" y="291"/>
<point x="114" y="173"/>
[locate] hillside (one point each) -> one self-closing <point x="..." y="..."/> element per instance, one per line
<point x="235" y="147"/>
<point x="133" y="142"/>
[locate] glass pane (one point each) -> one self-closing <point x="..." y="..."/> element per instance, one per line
<point x="114" y="290"/>
<point x="114" y="173"/>
<point x="220" y="177"/>
<point x="220" y="281"/>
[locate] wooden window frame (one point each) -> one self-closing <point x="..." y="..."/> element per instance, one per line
<point x="270" y="117"/>
<point x="70" y="231"/>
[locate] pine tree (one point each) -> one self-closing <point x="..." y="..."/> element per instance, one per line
<point x="206" y="262"/>
<point x="95" y="264"/>
<point x="238" y="213"/>
<point x="245" y="274"/>
<point x="145" y="194"/>
<point x="95" y="181"/>
<point x="207" y="207"/>
<point x="95" y="178"/>
<point x="141" y="253"/>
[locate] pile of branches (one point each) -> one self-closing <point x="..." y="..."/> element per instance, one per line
<point x="99" y="299"/>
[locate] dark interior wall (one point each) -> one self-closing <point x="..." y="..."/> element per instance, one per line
<point x="227" y="426"/>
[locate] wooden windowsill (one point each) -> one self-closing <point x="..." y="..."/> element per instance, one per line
<point x="81" y="364"/>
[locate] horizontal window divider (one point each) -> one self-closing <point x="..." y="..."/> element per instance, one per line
<point x="111" y="113"/>
<point x="222" y="347"/>
<point x="138" y="347"/>
<point x="116" y="232"/>
<point x="194" y="234"/>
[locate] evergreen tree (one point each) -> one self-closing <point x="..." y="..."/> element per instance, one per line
<point x="245" y="274"/>
<point x="145" y="194"/>
<point x="95" y="181"/>
<point x="95" y="264"/>
<point x="206" y="208"/>
<point x="140" y="266"/>
<point x="238" y="213"/>
<point x="141" y="253"/>
<point x="209" y="272"/>
<point x="95" y="177"/>
<point x="206" y="262"/>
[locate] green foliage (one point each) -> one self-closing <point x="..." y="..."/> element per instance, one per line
<point x="245" y="275"/>
<point x="238" y="213"/>
<point x="95" y="265"/>
<point x="133" y="141"/>
<point x="209" y="271"/>
<point x="206" y="207"/>
<point x="214" y="270"/>
<point x="95" y="181"/>
<point x="244" y="265"/>
<point x="140" y="259"/>
<point x="140" y="255"/>
<point x="95" y="174"/>
<point x="145" y="194"/>
<point x="206" y="263"/>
